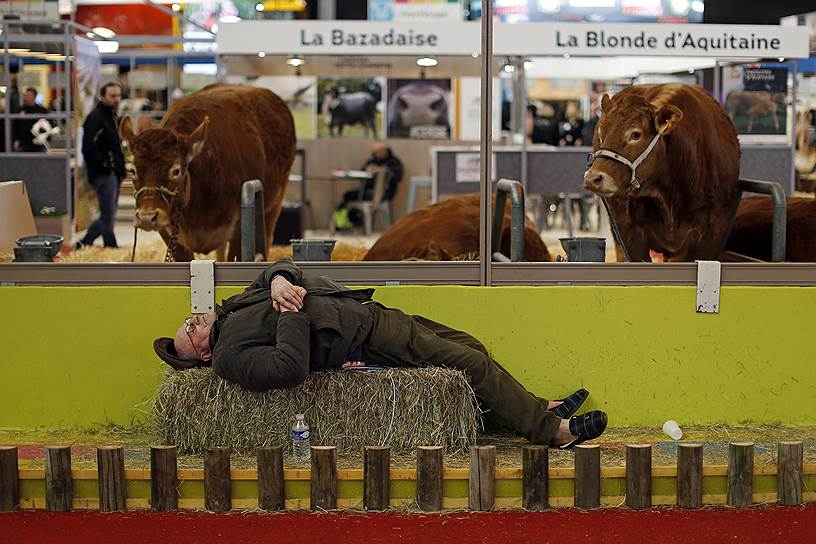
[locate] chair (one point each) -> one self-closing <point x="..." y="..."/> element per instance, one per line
<point x="416" y="183"/>
<point x="377" y="204"/>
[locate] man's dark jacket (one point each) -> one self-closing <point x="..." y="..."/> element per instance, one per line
<point x="394" y="166"/>
<point x="259" y="348"/>
<point x="101" y="147"/>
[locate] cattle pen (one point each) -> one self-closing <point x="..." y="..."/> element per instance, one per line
<point x="712" y="346"/>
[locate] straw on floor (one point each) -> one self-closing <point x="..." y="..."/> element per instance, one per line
<point x="403" y="409"/>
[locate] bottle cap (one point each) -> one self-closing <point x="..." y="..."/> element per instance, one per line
<point x="300" y="417"/>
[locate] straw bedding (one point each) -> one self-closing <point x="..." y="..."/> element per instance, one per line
<point x="400" y="408"/>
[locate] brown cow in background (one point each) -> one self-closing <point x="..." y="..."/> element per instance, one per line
<point x="678" y="202"/>
<point x="205" y="148"/>
<point x="751" y="233"/>
<point x="449" y="230"/>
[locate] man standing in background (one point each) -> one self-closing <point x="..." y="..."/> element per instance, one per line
<point x="23" y="138"/>
<point x="102" y="151"/>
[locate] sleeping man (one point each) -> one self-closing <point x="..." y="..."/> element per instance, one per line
<point x="287" y="324"/>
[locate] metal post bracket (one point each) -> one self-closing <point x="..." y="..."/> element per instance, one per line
<point x="708" y="287"/>
<point x="202" y="286"/>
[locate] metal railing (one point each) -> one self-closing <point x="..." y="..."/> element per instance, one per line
<point x="516" y="192"/>
<point x="253" y="221"/>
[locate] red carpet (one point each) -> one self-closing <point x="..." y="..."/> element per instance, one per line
<point x="765" y="525"/>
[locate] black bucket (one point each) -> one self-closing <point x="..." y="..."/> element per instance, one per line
<point x="312" y="250"/>
<point x="40" y="248"/>
<point x="584" y="250"/>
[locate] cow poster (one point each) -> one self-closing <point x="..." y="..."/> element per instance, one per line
<point x="755" y="98"/>
<point x="300" y="94"/>
<point x="350" y="108"/>
<point x="419" y="109"/>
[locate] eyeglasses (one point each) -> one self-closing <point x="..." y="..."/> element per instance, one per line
<point x="189" y="327"/>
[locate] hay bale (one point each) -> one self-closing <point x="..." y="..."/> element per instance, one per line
<point x="196" y="409"/>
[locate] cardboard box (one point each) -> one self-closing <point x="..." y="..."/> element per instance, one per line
<point x="54" y="224"/>
<point x="16" y="219"/>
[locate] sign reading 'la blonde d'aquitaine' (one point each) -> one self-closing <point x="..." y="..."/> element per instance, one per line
<point x="653" y="39"/>
<point x="532" y="39"/>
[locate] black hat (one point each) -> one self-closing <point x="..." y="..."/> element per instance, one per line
<point x="166" y="351"/>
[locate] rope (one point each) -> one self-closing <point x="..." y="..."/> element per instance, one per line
<point x="615" y="230"/>
<point x="135" y="234"/>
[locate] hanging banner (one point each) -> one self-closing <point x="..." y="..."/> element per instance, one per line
<point x="87" y="80"/>
<point x="656" y="39"/>
<point x="415" y="10"/>
<point x="536" y="39"/>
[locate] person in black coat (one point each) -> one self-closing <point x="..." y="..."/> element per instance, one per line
<point x="381" y="157"/>
<point x="289" y="323"/>
<point x="23" y="138"/>
<point x="105" y="163"/>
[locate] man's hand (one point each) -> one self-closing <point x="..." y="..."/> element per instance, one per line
<point x="352" y="364"/>
<point x="285" y="296"/>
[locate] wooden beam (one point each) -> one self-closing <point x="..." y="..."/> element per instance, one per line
<point x="482" y="481"/>
<point x="429" y="478"/>
<point x="535" y="480"/>
<point x="110" y="463"/>
<point x="740" y="474"/>
<point x="588" y="476"/>
<point x="639" y="476"/>
<point x="789" y="473"/>
<point x="163" y="478"/>
<point x="59" y="487"/>
<point x="9" y="481"/>
<point x="376" y="478"/>
<point x="271" y="496"/>
<point x="324" y="478"/>
<point x="217" y="483"/>
<point x="690" y="475"/>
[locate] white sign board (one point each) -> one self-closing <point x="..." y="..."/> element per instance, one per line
<point x="389" y="10"/>
<point x="654" y="39"/>
<point x="464" y="38"/>
<point x="348" y="38"/>
<point x="470" y="108"/>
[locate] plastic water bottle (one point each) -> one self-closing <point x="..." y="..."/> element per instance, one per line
<point x="301" y="443"/>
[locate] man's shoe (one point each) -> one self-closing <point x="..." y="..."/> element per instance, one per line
<point x="570" y="404"/>
<point x="79" y="245"/>
<point x="585" y="427"/>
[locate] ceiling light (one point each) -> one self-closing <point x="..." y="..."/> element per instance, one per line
<point x="549" y="6"/>
<point x="475" y="55"/>
<point x="528" y="64"/>
<point x="697" y="6"/>
<point x="509" y="68"/>
<point x="297" y="62"/>
<point x="427" y="62"/>
<point x="262" y="54"/>
<point x="176" y="7"/>
<point x="680" y="7"/>
<point x="691" y="70"/>
<point x="781" y="59"/>
<point x="259" y="7"/>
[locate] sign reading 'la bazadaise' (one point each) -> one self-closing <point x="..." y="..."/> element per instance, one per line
<point x="534" y="39"/>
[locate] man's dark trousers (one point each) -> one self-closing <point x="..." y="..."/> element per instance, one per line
<point x="401" y="340"/>
<point x="107" y="191"/>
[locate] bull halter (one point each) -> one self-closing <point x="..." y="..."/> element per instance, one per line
<point x="634" y="184"/>
<point x="169" y="197"/>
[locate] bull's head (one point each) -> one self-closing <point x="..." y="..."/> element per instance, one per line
<point x="161" y="159"/>
<point x="627" y="148"/>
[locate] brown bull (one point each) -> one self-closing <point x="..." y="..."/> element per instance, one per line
<point x="190" y="169"/>
<point x="667" y="157"/>
<point x="751" y="233"/>
<point x="446" y="231"/>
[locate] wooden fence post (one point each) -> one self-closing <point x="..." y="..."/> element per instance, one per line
<point x="110" y="463"/>
<point x="429" y="478"/>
